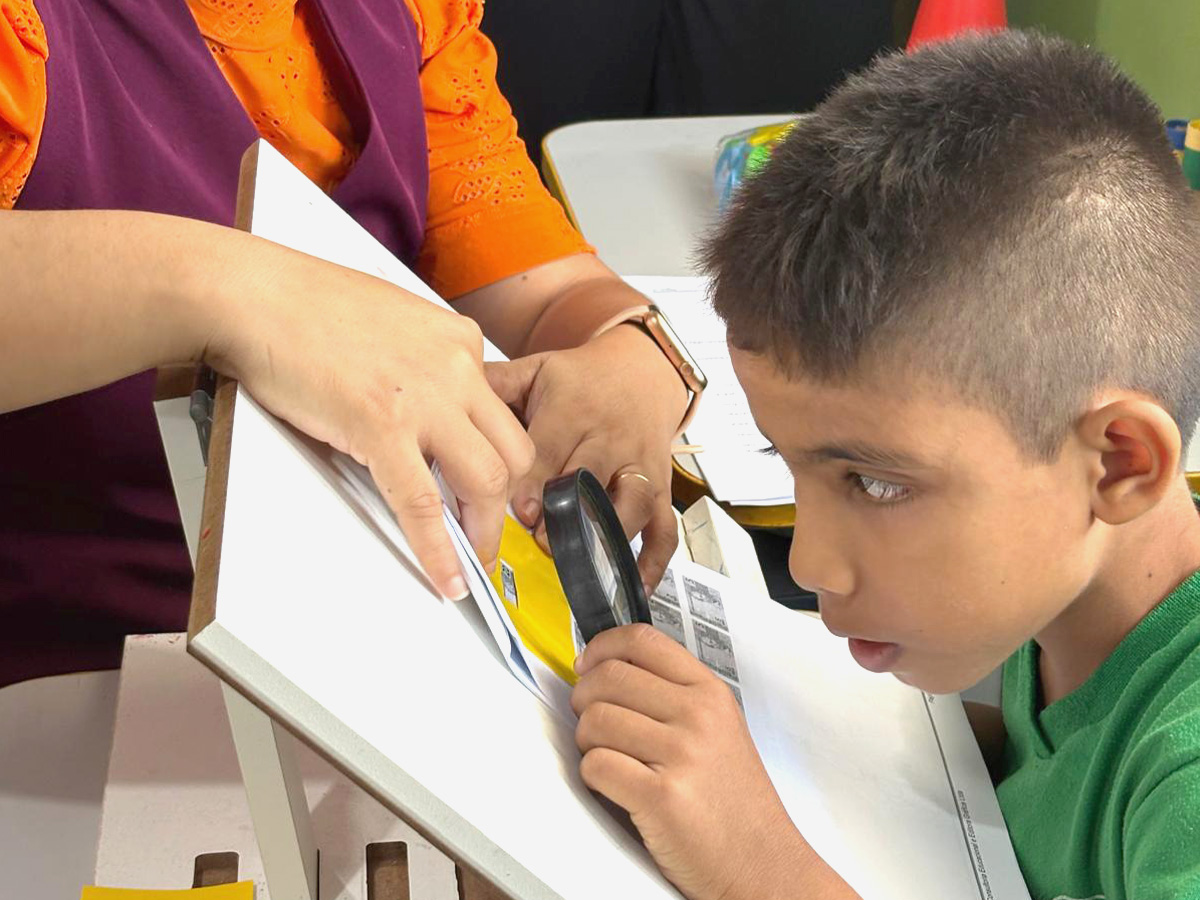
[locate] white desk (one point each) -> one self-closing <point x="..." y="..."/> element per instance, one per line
<point x="641" y="191"/>
<point x="55" y="735"/>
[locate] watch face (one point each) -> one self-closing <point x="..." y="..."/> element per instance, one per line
<point x="676" y="350"/>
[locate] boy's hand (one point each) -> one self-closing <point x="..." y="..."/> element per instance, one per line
<point x="664" y="738"/>
<point x="611" y="406"/>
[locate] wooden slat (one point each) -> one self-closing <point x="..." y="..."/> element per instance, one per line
<point x="212" y="519"/>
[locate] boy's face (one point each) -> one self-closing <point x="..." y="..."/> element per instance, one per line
<point x="930" y="539"/>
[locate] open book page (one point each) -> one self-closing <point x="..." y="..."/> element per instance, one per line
<point x="731" y="463"/>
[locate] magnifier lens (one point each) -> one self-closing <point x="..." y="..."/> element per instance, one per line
<point x="606" y="566"/>
<point x="594" y="562"/>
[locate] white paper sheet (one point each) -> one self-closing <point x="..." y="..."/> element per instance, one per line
<point x="732" y="464"/>
<point x="522" y="662"/>
<point x="886" y="782"/>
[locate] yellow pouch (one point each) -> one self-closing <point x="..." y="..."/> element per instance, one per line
<point x="527" y="583"/>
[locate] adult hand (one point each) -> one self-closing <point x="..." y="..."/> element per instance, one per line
<point x="664" y="738"/>
<point x="612" y="406"/>
<point x="390" y="379"/>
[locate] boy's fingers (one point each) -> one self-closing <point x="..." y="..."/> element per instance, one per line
<point x="410" y="490"/>
<point x="630" y="784"/>
<point x="617" y="728"/>
<point x="618" y="682"/>
<point x="645" y="647"/>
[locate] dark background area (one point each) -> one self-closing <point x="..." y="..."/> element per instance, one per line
<point x="564" y="61"/>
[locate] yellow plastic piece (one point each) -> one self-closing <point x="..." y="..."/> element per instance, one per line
<point x="540" y="613"/>
<point x="241" y="890"/>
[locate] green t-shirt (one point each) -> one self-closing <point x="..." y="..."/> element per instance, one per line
<point x="1101" y="790"/>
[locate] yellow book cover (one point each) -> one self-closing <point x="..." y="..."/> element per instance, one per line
<point x="527" y="583"/>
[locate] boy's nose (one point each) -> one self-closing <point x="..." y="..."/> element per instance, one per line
<point x="815" y="565"/>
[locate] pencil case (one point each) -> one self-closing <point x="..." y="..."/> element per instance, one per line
<point x="741" y="155"/>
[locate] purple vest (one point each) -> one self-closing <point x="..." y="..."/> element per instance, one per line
<point x="140" y="117"/>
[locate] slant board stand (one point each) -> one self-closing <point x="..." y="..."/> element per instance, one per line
<point x="319" y="626"/>
<point x="274" y="786"/>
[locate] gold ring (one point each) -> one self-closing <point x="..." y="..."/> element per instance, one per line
<point x="635" y="475"/>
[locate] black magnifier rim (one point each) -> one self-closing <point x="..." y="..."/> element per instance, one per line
<point x="563" y="509"/>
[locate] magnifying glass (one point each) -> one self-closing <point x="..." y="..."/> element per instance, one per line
<point x="594" y="561"/>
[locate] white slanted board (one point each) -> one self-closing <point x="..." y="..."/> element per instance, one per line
<point x="321" y="621"/>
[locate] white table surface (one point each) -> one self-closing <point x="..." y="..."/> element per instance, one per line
<point x="641" y="190"/>
<point x="55" y="735"/>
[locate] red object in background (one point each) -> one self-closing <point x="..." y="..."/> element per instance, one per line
<point x="940" y="19"/>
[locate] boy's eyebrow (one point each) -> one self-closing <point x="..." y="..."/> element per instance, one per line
<point x="865" y="454"/>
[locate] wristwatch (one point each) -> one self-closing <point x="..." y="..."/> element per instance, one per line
<point x="654" y="322"/>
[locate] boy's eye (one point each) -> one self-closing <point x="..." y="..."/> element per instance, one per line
<point x="880" y="491"/>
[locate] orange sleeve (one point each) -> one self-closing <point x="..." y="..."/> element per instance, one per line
<point x="22" y="94"/>
<point x="489" y="215"/>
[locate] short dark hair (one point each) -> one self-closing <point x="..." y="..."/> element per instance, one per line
<point x="1002" y="212"/>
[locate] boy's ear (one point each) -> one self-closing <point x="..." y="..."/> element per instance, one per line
<point x="1134" y="446"/>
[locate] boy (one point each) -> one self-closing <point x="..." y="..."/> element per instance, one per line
<point x="962" y="299"/>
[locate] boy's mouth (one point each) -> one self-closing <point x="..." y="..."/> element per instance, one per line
<point x="874" y="656"/>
